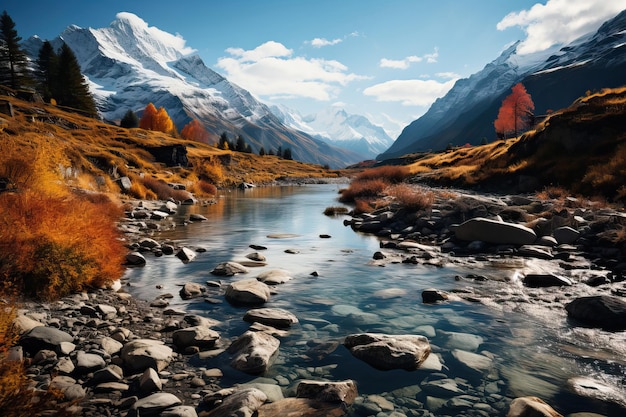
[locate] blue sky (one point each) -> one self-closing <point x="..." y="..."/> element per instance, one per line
<point x="386" y="59"/>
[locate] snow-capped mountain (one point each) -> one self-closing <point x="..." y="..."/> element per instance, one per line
<point x="335" y="126"/>
<point x="554" y="78"/>
<point x="130" y="64"/>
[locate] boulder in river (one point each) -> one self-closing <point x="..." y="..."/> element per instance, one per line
<point x="253" y="352"/>
<point x="140" y="354"/>
<point x="247" y="291"/>
<point x="385" y="352"/>
<point x="604" y="311"/>
<point x="229" y="269"/>
<point x="531" y="406"/>
<point x="493" y="231"/>
<point x="275" y="317"/>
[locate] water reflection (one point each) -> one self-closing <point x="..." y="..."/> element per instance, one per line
<point x="344" y="297"/>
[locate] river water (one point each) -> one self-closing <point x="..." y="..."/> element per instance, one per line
<point x="346" y="295"/>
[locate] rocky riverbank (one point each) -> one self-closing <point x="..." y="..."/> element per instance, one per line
<point x="110" y="354"/>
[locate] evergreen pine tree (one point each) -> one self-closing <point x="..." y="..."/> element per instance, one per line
<point x="248" y="148"/>
<point x="240" y="146"/>
<point x="73" y="91"/>
<point x="279" y="152"/>
<point x="130" y="120"/>
<point x="223" y="142"/>
<point x="14" y="70"/>
<point x="47" y="62"/>
<point x="262" y="151"/>
<point x="287" y="154"/>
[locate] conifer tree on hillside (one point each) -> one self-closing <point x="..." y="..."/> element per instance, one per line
<point x="71" y="90"/>
<point x="47" y="63"/>
<point x="241" y="144"/>
<point x="14" y="69"/>
<point x="130" y="120"/>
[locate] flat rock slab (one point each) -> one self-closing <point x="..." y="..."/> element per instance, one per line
<point x="493" y="231"/>
<point x="604" y="311"/>
<point x="385" y="352"/>
<point x="275" y="317"/>
<point x="301" y="407"/>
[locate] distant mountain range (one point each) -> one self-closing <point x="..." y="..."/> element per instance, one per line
<point x="554" y="78"/>
<point x="129" y="65"/>
<point x="338" y="128"/>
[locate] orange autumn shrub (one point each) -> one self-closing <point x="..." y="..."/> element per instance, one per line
<point x="51" y="246"/>
<point x="389" y="173"/>
<point x="363" y="189"/>
<point x="413" y="198"/>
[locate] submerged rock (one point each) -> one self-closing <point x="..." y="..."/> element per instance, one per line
<point x="229" y="269"/>
<point x="326" y="391"/>
<point x="247" y="291"/>
<point x="275" y="317"/>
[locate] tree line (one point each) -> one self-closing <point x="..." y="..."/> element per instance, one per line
<point x="56" y="76"/>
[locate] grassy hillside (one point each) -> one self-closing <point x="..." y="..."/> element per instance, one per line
<point x="90" y="154"/>
<point x="581" y="148"/>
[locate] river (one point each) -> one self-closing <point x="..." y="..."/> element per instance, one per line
<point x="338" y="290"/>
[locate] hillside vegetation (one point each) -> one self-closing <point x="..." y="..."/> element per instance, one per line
<point x="581" y="148"/>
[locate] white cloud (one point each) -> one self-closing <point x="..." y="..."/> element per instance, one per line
<point x="271" y="70"/>
<point x="406" y="62"/>
<point x="449" y="75"/>
<point x="559" y="21"/>
<point x="320" y="42"/>
<point x="409" y="92"/>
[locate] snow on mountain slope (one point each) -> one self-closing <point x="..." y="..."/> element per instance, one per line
<point x="554" y="78"/>
<point x="130" y="64"/>
<point x="335" y="126"/>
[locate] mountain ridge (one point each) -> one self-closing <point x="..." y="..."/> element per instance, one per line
<point x="554" y="78"/>
<point x="130" y="64"/>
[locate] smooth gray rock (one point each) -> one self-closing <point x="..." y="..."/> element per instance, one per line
<point x="546" y="280"/>
<point x="604" y="311"/>
<point x="326" y="391"/>
<point x="191" y="290"/>
<point x="493" y="231"/>
<point x="146" y="353"/>
<point x="44" y="337"/>
<point x="597" y="390"/>
<point x="185" y="254"/>
<point x="229" y="269"/>
<point x="445" y="387"/>
<point x="135" y="258"/>
<point x="154" y="404"/>
<point x="241" y="403"/>
<point x="247" y="291"/>
<point x="566" y="235"/>
<point x="179" y="411"/>
<point x="274" y="276"/>
<point x="275" y="317"/>
<point x="531" y="407"/>
<point x="384" y="351"/>
<point x="253" y="352"/>
<point x="475" y="363"/>
<point x="88" y="362"/>
<point x="199" y="336"/>
<point x="150" y="381"/>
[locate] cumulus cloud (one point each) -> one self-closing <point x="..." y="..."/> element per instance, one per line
<point x="410" y="92"/>
<point x="406" y="62"/>
<point x="320" y="42"/>
<point x="271" y="70"/>
<point x="449" y="75"/>
<point x="559" y="21"/>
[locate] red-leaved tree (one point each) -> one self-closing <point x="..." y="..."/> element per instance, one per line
<point x="195" y="131"/>
<point x="516" y="113"/>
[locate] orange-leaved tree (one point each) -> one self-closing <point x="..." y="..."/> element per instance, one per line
<point x="516" y="113"/>
<point x="194" y="130"/>
<point x="157" y="120"/>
